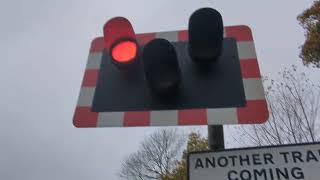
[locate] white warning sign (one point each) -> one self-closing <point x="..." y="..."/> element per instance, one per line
<point x="291" y="162"/>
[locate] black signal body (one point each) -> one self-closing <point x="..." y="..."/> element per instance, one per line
<point x="161" y="67"/>
<point x="220" y="85"/>
<point x="205" y="35"/>
<point x="201" y="73"/>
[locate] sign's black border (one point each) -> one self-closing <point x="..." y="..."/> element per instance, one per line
<point x="241" y="149"/>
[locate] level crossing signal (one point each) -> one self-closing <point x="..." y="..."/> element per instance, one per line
<point x="207" y="74"/>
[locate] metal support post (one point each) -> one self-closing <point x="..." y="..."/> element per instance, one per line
<point x="215" y="137"/>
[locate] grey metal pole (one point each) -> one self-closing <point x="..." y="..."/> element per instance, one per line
<point x="215" y="137"/>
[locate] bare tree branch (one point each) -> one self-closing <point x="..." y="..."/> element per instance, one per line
<point x="294" y="103"/>
<point x="157" y="157"/>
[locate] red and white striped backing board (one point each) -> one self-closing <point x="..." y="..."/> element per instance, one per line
<point x="254" y="112"/>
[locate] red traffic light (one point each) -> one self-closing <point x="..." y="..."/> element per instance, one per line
<point x="120" y="40"/>
<point x="124" y="51"/>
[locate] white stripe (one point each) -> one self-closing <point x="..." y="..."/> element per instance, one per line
<point x="253" y="89"/>
<point x="86" y="96"/>
<point x="94" y="60"/>
<point x="164" y="118"/>
<point x="222" y="116"/>
<point x="246" y="50"/>
<point x="110" y="119"/>
<point x="171" y="36"/>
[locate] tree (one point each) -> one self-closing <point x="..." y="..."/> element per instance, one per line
<point x="157" y="156"/>
<point x="293" y="103"/>
<point x="195" y="143"/>
<point x="310" y="21"/>
<point x="160" y="157"/>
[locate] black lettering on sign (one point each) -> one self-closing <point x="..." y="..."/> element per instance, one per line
<point x="282" y="173"/>
<point x="223" y="161"/>
<point x="233" y="160"/>
<point x="296" y="155"/>
<point x="210" y="162"/>
<point x="258" y="174"/>
<point x="256" y="159"/>
<point x="199" y="163"/>
<point x="271" y="174"/>
<point x="311" y="156"/>
<point x="245" y="175"/>
<point x="268" y="158"/>
<point x="285" y="156"/>
<point x="297" y="173"/>
<point x="230" y="175"/>
<point x="244" y="160"/>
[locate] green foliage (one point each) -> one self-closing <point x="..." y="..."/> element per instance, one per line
<point x="195" y="143"/>
<point x="310" y="21"/>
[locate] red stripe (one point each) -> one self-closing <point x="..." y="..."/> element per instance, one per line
<point x="90" y="78"/>
<point x="183" y="35"/>
<point x="84" y="117"/>
<point x="138" y="118"/>
<point x="241" y="33"/>
<point x="145" y="38"/>
<point x="192" y="117"/>
<point x="250" y="68"/>
<point x="256" y="111"/>
<point x="97" y="45"/>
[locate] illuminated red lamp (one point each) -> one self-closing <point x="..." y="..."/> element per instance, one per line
<point x="120" y="41"/>
<point x="124" y="51"/>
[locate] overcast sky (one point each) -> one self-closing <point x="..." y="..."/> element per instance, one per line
<point x="44" y="47"/>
